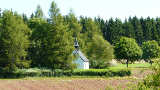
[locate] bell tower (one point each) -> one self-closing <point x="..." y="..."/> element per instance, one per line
<point x="76" y="45"/>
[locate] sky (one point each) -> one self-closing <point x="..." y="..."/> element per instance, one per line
<point x="91" y="8"/>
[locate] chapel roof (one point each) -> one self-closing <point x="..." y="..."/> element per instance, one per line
<point x="81" y="55"/>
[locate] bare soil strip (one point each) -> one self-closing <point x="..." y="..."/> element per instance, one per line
<point x="72" y="83"/>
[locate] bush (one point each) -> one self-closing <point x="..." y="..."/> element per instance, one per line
<point x="32" y="72"/>
<point x="8" y="71"/>
<point x="23" y="63"/>
<point x="35" y="72"/>
<point x="102" y="72"/>
<point x="153" y="80"/>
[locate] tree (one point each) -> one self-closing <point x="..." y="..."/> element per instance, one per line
<point x="39" y="12"/>
<point x="147" y="29"/>
<point x="59" y="46"/>
<point x="151" y="50"/>
<point x="40" y="29"/>
<point x="53" y="45"/>
<point x="114" y="30"/>
<point x="96" y="48"/>
<point x="32" y="15"/>
<point x="138" y="30"/>
<point x="129" y="29"/>
<point x="100" y="52"/>
<point x="102" y="25"/>
<point x="155" y="35"/>
<point x="73" y="24"/>
<point x="25" y="19"/>
<point x="74" y="28"/>
<point x="54" y="11"/>
<point x="158" y="29"/>
<point x="14" y="39"/>
<point x="128" y="49"/>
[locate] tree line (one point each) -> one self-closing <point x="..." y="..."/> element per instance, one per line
<point x="141" y="29"/>
<point x="49" y="42"/>
<point x="37" y="41"/>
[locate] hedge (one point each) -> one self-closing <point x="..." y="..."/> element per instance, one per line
<point x="35" y="72"/>
<point x="102" y="72"/>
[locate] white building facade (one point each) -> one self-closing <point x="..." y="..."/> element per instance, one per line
<point x="81" y="61"/>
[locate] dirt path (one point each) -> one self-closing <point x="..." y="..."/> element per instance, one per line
<point x="72" y="83"/>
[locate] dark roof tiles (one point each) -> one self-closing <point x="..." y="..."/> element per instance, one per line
<point x="81" y="55"/>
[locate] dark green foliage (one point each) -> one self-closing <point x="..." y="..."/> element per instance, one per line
<point x="25" y="18"/>
<point x="102" y="25"/>
<point x="8" y="70"/>
<point x="151" y="50"/>
<point x="39" y="12"/>
<point x="34" y="72"/>
<point x="39" y="41"/>
<point x="50" y="40"/>
<point x="14" y="40"/>
<point x="100" y="52"/>
<point x="129" y="29"/>
<point x="74" y="26"/>
<point x="53" y="12"/>
<point x="152" y="82"/>
<point x="139" y="29"/>
<point x="97" y="50"/>
<point x="128" y="49"/>
<point x="53" y="39"/>
<point x="59" y="46"/>
<point x="23" y="63"/>
<point x="102" y="72"/>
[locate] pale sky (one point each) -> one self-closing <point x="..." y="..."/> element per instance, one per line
<point x="91" y="8"/>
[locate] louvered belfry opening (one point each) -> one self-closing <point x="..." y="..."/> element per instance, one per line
<point x="76" y="45"/>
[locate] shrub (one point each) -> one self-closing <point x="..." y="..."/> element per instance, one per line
<point x="23" y="63"/>
<point x="102" y="72"/>
<point x="151" y="51"/>
<point x="8" y="71"/>
<point x="32" y="72"/>
<point x="153" y="80"/>
<point x="35" y="72"/>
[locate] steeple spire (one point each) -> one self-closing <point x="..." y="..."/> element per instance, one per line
<point x="76" y="45"/>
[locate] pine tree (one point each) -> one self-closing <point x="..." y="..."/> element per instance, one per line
<point x="73" y="24"/>
<point x="129" y="29"/>
<point x="75" y="28"/>
<point x="25" y="19"/>
<point x="147" y="29"/>
<point x="39" y="12"/>
<point x="59" y="46"/>
<point x="114" y="30"/>
<point x="13" y="38"/>
<point x="154" y="30"/>
<point x="54" y="11"/>
<point x="158" y="29"/>
<point x="38" y="39"/>
<point x="102" y="25"/>
<point x="138" y="30"/>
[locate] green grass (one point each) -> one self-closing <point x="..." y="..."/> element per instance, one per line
<point x="137" y="65"/>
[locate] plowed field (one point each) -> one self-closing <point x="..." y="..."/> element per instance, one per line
<point x="72" y="83"/>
